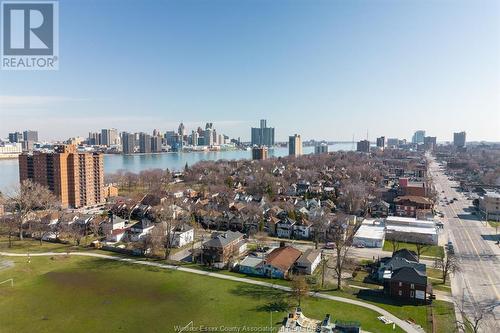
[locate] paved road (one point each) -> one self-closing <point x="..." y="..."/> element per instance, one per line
<point x="401" y="323"/>
<point x="478" y="283"/>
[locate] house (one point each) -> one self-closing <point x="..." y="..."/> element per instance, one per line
<point x="407" y="283"/>
<point x="140" y="229"/>
<point x="223" y="247"/>
<point x="284" y="228"/>
<point x="401" y="258"/>
<point x="182" y="234"/>
<point x="308" y="261"/>
<point x="409" y="204"/>
<point x="279" y="263"/>
<point x="302" y="229"/>
<point x="114" y="228"/>
<point x="379" y="208"/>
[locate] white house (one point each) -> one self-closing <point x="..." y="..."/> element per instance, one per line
<point x="182" y="235"/>
<point x="140" y="229"/>
<point x="308" y="261"/>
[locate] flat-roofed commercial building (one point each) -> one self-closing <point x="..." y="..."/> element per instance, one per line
<point x="412" y="230"/>
<point x="76" y="178"/>
<point x="489" y="205"/>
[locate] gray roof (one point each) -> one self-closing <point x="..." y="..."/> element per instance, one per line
<point x="308" y="257"/>
<point x="221" y="239"/>
<point x="397" y="262"/>
<point x="409" y="274"/>
<point x="251" y="261"/>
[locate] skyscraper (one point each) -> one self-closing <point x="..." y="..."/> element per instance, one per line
<point x="459" y="139"/>
<point x="381" y="142"/>
<point x="94" y="138"/>
<point x="76" y="178"/>
<point x="363" y="146"/>
<point x="144" y="143"/>
<point x="263" y="135"/>
<point x="15" y="137"/>
<point x="418" y="137"/>
<point x="156" y="144"/>
<point x="128" y="143"/>
<point x="430" y="142"/>
<point x="109" y="137"/>
<point x="31" y="136"/>
<point x="295" y="145"/>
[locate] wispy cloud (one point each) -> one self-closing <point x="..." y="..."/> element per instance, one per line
<point x="9" y="101"/>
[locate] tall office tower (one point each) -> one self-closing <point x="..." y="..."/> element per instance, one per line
<point x="259" y="153"/>
<point x="418" y="137"/>
<point x="156" y="144"/>
<point x="263" y="135"/>
<point x="128" y="143"/>
<point x="459" y="139"/>
<point x="94" y="139"/>
<point x="76" y="178"/>
<point x="15" y="137"/>
<point x="156" y="132"/>
<point x="209" y="137"/>
<point x="31" y="136"/>
<point x="170" y="137"/>
<point x="321" y="148"/>
<point x="430" y="142"/>
<point x="381" y="142"/>
<point x="295" y="145"/>
<point x="363" y="146"/>
<point x="194" y="138"/>
<point x="181" y="130"/>
<point x="109" y="137"/>
<point x="144" y="143"/>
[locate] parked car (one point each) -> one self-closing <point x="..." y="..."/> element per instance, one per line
<point x="329" y="246"/>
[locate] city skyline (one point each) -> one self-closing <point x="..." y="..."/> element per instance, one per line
<point x="326" y="71"/>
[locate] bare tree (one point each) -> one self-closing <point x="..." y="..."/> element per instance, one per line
<point x="473" y="316"/>
<point x="299" y="287"/>
<point x="342" y="237"/>
<point x="395" y="244"/>
<point x="157" y="239"/>
<point x="74" y="231"/>
<point x="165" y="215"/>
<point x="9" y="225"/>
<point x="448" y="264"/>
<point x="28" y="198"/>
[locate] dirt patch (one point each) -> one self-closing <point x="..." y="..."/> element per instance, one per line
<point x="109" y="286"/>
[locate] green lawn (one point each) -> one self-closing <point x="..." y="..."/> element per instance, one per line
<point x="79" y="294"/>
<point x="429" y="251"/>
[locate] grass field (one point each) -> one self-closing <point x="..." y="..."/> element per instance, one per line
<point x="429" y="251"/>
<point x="80" y="294"/>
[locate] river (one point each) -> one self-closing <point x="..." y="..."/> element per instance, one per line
<point x="9" y="169"/>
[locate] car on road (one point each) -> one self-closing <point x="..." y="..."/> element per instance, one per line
<point x="329" y="246"/>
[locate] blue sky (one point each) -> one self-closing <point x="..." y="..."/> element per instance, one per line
<point x="324" y="69"/>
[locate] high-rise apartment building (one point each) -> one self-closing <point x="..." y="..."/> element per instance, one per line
<point x="418" y="137"/>
<point x="263" y="135"/>
<point x="128" y="143"/>
<point x="94" y="139"/>
<point x="260" y="153"/>
<point x="76" y="178"/>
<point x="459" y="139"/>
<point x="321" y="148"/>
<point x="295" y="145"/>
<point x="381" y="142"/>
<point x="363" y="146"/>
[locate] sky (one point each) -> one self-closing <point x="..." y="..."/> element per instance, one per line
<point x="323" y="69"/>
